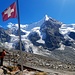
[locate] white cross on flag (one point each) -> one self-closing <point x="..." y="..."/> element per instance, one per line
<point x="10" y="12"/>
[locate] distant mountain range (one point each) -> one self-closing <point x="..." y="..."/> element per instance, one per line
<point x="47" y="37"/>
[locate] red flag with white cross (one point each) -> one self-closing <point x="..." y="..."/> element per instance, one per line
<point x="10" y="12"/>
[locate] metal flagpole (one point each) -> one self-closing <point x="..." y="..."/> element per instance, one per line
<point x="20" y="36"/>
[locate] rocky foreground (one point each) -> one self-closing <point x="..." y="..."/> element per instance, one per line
<point x="39" y="65"/>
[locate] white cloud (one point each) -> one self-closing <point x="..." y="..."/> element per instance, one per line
<point x="16" y="25"/>
<point x="10" y="25"/>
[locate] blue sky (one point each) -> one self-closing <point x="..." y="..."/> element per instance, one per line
<point x="34" y="10"/>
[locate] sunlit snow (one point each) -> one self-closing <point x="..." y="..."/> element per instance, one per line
<point x="37" y="29"/>
<point x="62" y="47"/>
<point x="46" y="18"/>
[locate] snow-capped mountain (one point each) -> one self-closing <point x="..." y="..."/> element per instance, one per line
<point x="3" y="35"/>
<point x="47" y="37"/>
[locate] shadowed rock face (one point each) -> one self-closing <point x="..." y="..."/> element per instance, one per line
<point x="33" y="37"/>
<point x="72" y="35"/>
<point x="53" y="37"/>
<point x="4" y="36"/>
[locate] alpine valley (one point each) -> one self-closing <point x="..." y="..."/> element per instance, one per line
<point x="47" y="37"/>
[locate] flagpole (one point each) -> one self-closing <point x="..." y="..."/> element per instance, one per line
<point x="20" y="37"/>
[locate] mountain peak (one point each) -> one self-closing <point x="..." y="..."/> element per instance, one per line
<point x="46" y="18"/>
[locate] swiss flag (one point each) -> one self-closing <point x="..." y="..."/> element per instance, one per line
<point x="10" y="12"/>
